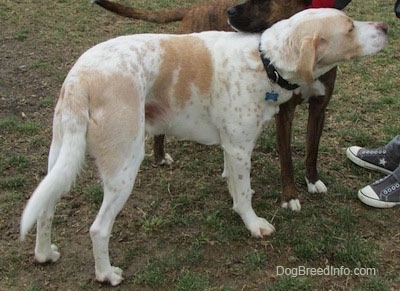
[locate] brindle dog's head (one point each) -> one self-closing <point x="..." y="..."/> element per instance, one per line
<point x="258" y="15"/>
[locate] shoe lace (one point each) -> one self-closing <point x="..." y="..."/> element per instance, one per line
<point x="374" y="151"/>
<point x="380" y="180"/>
<point x="388" y="189"/>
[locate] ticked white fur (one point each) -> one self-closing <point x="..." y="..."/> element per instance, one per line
<point x="208" y="87"/>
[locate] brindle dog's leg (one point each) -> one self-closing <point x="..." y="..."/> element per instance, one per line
<point x="284" y="120"/>
<point x="316" y="120"/>
<point x="160" y="156"/>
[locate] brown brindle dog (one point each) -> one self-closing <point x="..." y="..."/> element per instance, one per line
<point x="211" y="15"/>
<point x="202" y="17"/>
<point x="251" y="16"/>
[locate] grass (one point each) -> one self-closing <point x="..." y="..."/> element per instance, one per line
<point x="191" y="281"/>
<point x="177" y="231"/>
<point x="14" y="124"/>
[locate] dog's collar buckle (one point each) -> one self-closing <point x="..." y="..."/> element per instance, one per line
<point x="274" y="75"/>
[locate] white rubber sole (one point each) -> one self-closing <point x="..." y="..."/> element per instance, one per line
<point x="369" y="197"/>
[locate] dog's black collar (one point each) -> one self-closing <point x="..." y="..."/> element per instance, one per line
<point x="274" y="75"/>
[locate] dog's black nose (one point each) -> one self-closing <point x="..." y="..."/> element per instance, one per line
<point x="231" y="11"/>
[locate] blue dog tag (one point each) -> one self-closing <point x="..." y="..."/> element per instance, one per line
<point x="271" y="96"/>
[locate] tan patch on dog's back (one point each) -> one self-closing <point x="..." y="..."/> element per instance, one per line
<point x="180" y="73"/>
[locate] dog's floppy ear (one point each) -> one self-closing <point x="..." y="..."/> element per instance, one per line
<point x="311" y="51"/>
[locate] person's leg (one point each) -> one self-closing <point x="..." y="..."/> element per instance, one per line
<point x="393" y="147"/>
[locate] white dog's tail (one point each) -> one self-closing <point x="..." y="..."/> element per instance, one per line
<point x="67" y="154"/>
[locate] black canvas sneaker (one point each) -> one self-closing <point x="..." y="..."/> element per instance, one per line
<point x="373" y="159"/>
<point x="384" y="193"/>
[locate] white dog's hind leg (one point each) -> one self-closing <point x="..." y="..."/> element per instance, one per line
<point x="45" y="252"/>
<point x="117" y="188"/>
<point x="237" y="167"/>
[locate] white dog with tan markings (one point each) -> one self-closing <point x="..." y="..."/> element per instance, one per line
<point x="210" y="87"/>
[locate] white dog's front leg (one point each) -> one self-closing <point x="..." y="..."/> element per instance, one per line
<point x="237" y="166"/>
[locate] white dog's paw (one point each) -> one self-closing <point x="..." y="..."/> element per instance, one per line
<point x="261" y="227"/>
<point x="318" y="187"/>
<point x="167" y="160"/>
<point x="49" y="257"/>
<point x="112" y="276"/>
<point x="293" y="204"/>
